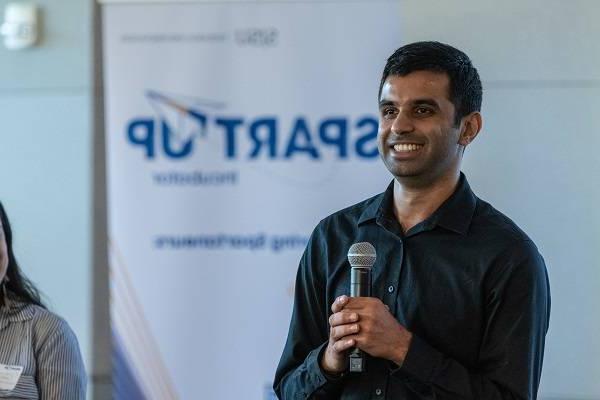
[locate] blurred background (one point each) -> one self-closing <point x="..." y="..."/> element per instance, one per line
<point x="535" y="160"/>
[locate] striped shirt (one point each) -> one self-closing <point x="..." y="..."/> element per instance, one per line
<point x="47" y="349"/>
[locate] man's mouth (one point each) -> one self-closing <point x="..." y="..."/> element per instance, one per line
<point x="407" y="147"/>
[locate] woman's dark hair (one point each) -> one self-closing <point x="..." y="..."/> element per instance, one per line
<point x="465" y="85"/>
<point x="18" y="286"/>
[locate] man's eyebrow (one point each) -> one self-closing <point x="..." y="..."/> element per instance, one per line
<point x="416" y="102"/>
<point x="384" y="103"/>
<point x="427" y="102"/>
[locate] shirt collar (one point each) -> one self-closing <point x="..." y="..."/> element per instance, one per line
<point x="380" y="205"/>
<point x="454" y="214"/>
<point x="457" y="211"/>
<point x="15" y="311"/>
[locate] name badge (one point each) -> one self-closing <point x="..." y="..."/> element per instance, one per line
<point x="9" y="376"/>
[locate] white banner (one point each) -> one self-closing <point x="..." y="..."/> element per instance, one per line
<point x="232" y="129"/>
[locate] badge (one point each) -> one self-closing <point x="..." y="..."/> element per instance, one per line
<point x="9" y="376"/>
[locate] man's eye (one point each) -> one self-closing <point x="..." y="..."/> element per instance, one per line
<point x="388" y="112"/>
<point x="422" y="111"/>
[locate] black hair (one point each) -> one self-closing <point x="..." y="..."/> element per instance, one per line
<point x="18" y="286"/>
<point x="465" y="85"/>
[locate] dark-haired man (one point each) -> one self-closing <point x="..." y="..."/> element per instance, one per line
<point x="461" y="299"/>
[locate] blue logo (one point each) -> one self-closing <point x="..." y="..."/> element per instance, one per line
<point x="178" y="131"/>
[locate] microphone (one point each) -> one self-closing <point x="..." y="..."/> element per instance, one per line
<point x="361" y="257"/>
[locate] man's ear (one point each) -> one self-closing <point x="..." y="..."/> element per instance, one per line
<point x="471" y="126"/>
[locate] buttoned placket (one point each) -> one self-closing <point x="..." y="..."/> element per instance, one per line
<point x="390" y="266"/>
<point x="390" y="294"/>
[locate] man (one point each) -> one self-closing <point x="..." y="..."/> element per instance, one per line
<point x="461" y="300"/>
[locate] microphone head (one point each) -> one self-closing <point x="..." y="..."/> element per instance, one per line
<point x="362" y="255"/>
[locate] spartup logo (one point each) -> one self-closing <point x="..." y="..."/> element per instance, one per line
<point x="245" y="137"/>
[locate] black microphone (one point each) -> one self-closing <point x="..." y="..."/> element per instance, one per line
<point x="361" y="257"/>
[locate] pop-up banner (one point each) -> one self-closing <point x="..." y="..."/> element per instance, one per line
<point x="232" y="128"/>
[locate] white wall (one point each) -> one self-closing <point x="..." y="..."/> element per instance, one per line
<point x="536" y="158"/>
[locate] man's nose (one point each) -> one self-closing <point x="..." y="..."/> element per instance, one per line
<point x="402" y="124"/>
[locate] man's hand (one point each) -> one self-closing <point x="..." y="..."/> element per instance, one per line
<point x="379" y="334"/>
<point x="342" y="323"/>
<point x="364" y="322"/>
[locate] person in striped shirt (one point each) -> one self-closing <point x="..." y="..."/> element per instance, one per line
<point x="39" y="353"/>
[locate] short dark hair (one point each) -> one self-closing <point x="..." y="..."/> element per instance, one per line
<point x="465" y="85"/>
<point x="18" y="286"/>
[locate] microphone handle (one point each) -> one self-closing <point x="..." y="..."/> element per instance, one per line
<point x="360" y="282"/>
<point x="360" y="286"/>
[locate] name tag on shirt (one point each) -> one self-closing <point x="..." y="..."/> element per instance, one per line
<point x="9" y="376"/>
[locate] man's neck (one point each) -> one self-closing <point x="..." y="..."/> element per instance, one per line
<point x="415" y="203"/>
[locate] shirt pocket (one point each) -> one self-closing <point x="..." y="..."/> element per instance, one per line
<point x="26" y="389"/>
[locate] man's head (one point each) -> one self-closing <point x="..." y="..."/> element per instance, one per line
<point x="465" y="86"/>
<point x="429" y="101"/>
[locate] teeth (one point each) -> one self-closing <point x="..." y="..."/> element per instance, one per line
<point x="407" y="147"/>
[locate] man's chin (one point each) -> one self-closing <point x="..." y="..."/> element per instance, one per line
<point x="405" y="173"/>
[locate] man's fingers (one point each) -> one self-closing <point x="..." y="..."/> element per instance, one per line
<point x="343" y="345"/>
<point x="338" y="332"/>
<point x="343" y="317"/>
<point x="339" y="303"/>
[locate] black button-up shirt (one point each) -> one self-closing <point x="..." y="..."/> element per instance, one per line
<point x="467" y="282"/>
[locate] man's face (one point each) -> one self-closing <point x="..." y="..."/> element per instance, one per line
<point x="417" y="138"/>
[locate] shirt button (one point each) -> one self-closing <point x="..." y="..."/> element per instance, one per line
<point x="378" y="392"/>
<point x="390" y="288"/>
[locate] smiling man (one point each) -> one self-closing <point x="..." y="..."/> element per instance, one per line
<point x="461" y="300"/>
